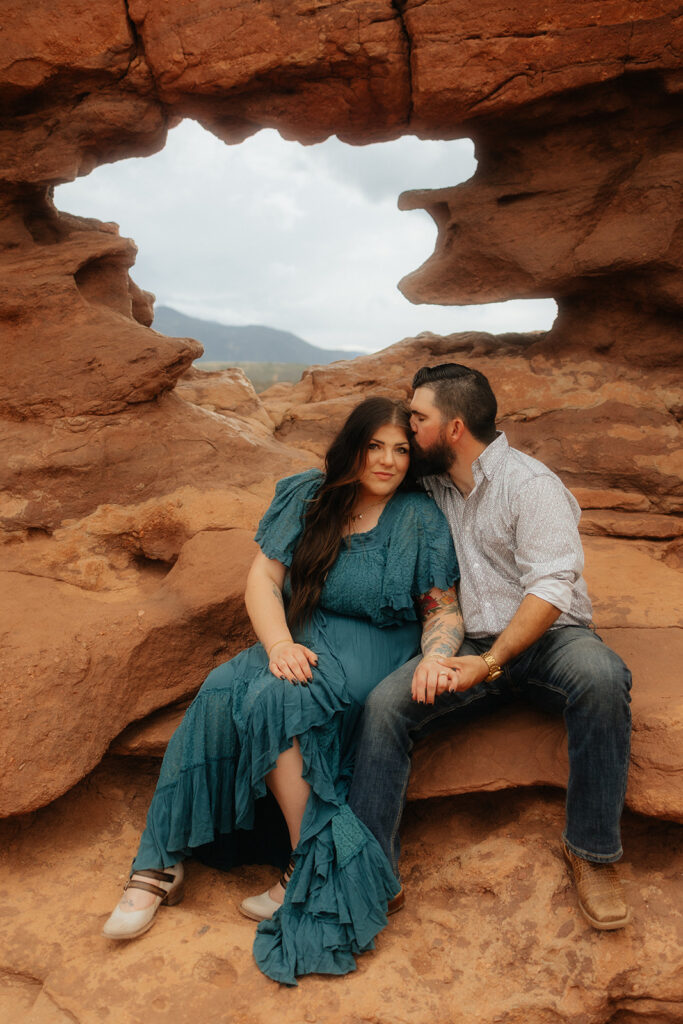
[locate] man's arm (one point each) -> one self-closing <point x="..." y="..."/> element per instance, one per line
<point x="533" y="617"/>
<point x="442" y="635"/>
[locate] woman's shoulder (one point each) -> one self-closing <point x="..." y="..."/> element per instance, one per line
<point x="416" y="522"/>
<point x="281" y="525"/>
<point x="419" y="506"/>
<point x="302" y="484"/>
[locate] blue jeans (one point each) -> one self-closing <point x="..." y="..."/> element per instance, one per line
<point x="570" y="671"/>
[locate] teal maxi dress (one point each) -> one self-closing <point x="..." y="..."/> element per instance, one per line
<point x="243" y="717"/>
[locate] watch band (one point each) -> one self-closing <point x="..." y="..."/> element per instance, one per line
<point x="494" y="668"/>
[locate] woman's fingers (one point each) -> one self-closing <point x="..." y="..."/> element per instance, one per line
<point x="293" y="663"/>
<point x="311" y="656"/>
<point x="288" y="668"/>
<point x="430" y="680"/>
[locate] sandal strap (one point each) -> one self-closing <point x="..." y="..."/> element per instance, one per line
<point x="289" y="871"/>
<point x="159" y="876"/>
<point x="134" y="883"/>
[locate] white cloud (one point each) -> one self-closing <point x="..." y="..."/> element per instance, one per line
<point x="307" y="239"/>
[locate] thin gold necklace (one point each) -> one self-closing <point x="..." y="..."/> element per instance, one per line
<point x="359" y="515"/>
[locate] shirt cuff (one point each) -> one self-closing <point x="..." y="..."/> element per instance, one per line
<point x="554" y="591"/>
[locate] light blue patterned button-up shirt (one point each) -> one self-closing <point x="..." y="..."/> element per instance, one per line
<point x="515" y="534"/>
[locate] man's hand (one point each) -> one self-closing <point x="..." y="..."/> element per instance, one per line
<point x="469" y="670"/>
<point x="432" y="677"/>
<point x="292" y="661"/>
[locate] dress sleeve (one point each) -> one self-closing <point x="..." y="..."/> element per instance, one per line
<point x="281" y="526"/>
<point x="420" y="556"/>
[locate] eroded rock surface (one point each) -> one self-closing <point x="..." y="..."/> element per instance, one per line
<point x="119" y="477"/>
<point x="490" y="932"/>
<point x="130" y="488"/>
<point x="523" y="747"/>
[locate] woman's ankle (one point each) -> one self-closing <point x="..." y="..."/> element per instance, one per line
<point x="277" y="893"/>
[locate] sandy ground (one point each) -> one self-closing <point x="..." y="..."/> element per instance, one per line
<point x="490" y="932"/>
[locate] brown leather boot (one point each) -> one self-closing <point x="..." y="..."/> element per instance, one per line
<point x="601" y="897"/>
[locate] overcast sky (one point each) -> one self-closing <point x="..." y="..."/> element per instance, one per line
<point x="303" y="238"/>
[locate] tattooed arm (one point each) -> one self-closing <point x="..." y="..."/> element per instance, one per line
<point x="442" y="635"/>
<point x="266" y="609"/>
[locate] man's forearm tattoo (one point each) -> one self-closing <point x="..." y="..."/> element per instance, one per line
<point x="428" y="605"/>
<point x="443" y="629"/>
<point x="442" y="637"/>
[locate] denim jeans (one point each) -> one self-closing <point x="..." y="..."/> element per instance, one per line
<point x="570" y="671"/>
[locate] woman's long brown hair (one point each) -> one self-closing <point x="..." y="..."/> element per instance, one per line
<point x="330" y="510"/>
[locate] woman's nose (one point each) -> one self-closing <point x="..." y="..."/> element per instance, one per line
<point x="387" y="457"/>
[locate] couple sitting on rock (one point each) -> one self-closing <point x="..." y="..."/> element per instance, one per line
<point x="356" y="574"/>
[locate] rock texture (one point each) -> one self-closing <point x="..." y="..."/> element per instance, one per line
<point x="490" y="931"/>
<point x="525" y="747"/>
<point x="130" y="484"/>
<point x="115" y="467"/>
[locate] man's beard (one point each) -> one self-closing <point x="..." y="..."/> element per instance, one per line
<point x="431" y="461"/>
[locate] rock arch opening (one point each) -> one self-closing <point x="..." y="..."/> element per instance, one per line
<point x="303" y="239"/>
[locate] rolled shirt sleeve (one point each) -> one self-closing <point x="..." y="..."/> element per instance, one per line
<point x="548" y="550"/>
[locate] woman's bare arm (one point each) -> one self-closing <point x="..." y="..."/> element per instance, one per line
<point x="442" y="634"/>
<point x="266" y="609"/>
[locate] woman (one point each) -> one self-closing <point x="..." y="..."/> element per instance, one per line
<point x="345" y="557"/>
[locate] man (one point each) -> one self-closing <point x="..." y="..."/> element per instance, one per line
<point x="527" y="622"/>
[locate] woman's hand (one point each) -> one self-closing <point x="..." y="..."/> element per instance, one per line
<point x="292" y="661"/>
<point x="431" y="678"/>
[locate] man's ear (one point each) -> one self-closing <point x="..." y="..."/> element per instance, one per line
<point x="454" y="430"/>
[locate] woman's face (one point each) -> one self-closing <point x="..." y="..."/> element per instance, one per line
<point x="386" y="462"/>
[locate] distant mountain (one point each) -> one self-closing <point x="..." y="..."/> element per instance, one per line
<point x="254" y="343"/>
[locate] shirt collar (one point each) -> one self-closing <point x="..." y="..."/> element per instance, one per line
<point x="493" y="455"/>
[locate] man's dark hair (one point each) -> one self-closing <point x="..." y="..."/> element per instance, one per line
<point x="460" y="391"/>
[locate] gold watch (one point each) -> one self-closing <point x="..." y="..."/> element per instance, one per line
<point x="494" y="668"/>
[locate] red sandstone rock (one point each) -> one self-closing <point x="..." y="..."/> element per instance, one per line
<point x="527" y="748"/>
<point x="118" y="498"/>
<point x="90" y="539"/>
<point x="75" y="90"/>
<point x="470" y="61"/>
<point x="562" y="203"/>
<point x="228" y="392"/>
<point x="309" y="69"/>
<point x="601" y="426"/>
<point x="79" y="666"/>
<point x="521" y="227"/>
<point x="490" y="930"/>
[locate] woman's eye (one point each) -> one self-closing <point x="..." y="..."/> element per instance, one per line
<point x="373" y="445"/>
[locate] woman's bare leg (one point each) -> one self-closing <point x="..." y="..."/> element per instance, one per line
<point x="291" y="791"/>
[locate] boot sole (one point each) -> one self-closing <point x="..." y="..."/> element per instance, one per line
<point x="606" y="926"/>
